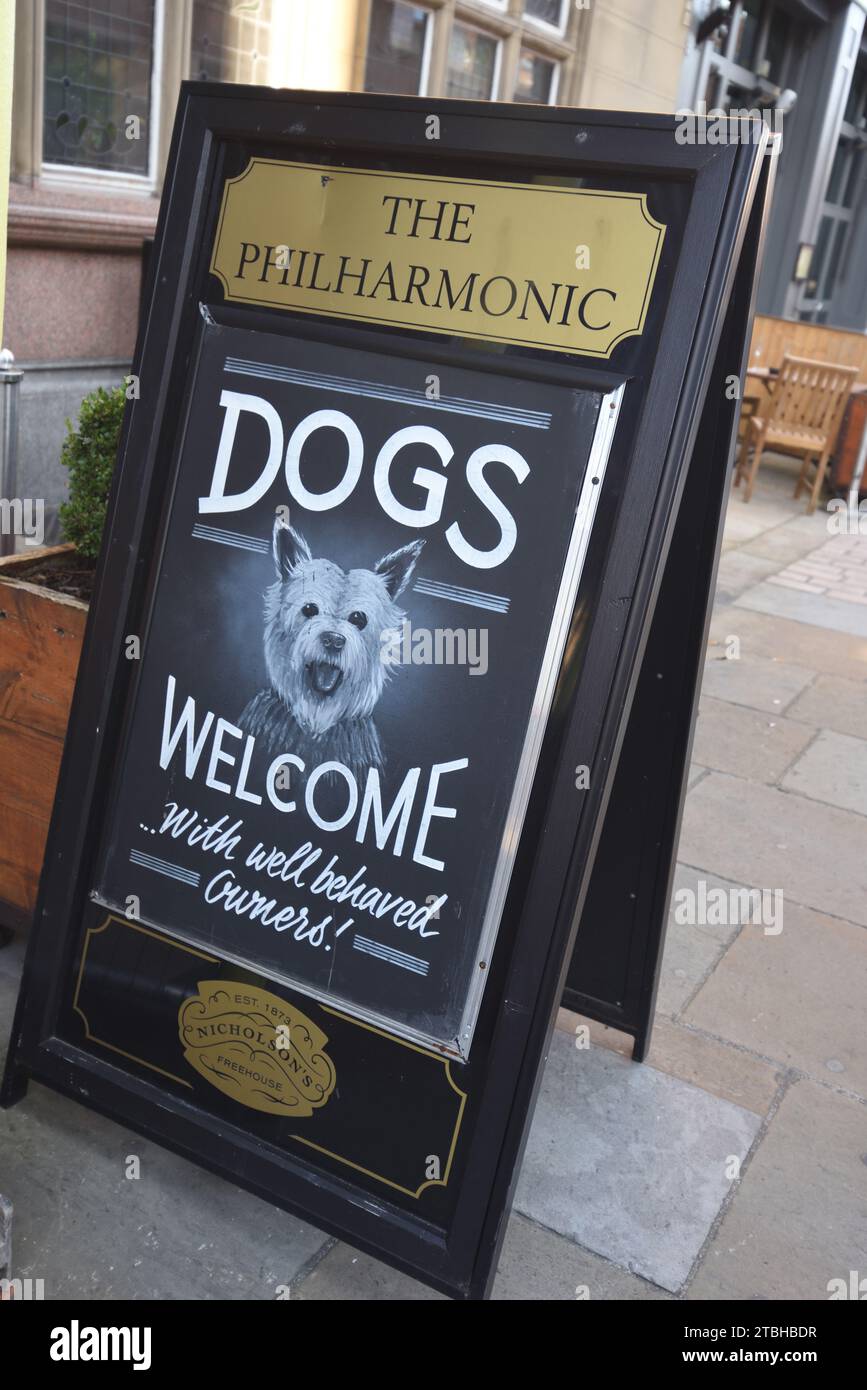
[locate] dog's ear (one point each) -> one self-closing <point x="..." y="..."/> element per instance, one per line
<point x="290" y="548"/>
<point x="397" y="567"/>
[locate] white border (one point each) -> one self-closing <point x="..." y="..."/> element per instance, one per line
<point x="424" y="75"/>
<point x="585" y="514"/>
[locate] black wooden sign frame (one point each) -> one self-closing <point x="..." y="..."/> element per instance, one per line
<point x="452" y="1241"/>
<point x="617" y="956"/>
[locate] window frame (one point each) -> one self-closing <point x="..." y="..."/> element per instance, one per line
<point x="826" y="277"/>
<point x="542" y="24"/>
<point x="458" y="21"/>
<point x="90" y="176"/>
<point x="556" y="63"/>
<point x="427" y="47"/>
<point x="724" y="69"/>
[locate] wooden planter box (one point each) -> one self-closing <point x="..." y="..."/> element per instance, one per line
<point x="40" y="644"/>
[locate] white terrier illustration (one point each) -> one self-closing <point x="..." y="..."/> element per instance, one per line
<point x="323" y="651"/>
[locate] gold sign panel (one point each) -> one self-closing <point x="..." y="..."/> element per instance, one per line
<point x="256" y="1048"/>
<point x="564" y="268"/>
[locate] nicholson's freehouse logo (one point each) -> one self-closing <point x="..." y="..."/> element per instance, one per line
<point x="256" y="1048"/>
<point x="564" y="268"/>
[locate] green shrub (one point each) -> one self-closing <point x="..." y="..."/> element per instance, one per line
<point x="89" y="453"/>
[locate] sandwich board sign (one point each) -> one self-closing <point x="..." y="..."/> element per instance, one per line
<point x="418" y="388"/>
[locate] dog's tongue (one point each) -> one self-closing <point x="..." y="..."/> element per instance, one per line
<point x="325" y="677"/>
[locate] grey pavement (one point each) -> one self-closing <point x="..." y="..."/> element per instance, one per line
<point x="731" y="1165"/>
<point x="628" y="1162"/>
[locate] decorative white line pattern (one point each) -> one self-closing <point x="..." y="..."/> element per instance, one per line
<point x="162" y="866"/>
<point x="475" y="598"/>
<point x="234" y="538"/>
<point x="455" y="405"/>
<point x="390" y="955"/>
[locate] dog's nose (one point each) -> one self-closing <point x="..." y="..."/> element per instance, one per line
<point x="333" y="641"/>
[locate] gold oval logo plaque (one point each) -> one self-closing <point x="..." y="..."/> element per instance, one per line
<point x="256" y="1048"/>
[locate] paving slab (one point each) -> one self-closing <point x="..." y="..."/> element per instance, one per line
<point x="833" y="769"/>
<point x="741" y="524"/>
<point x="804" y="523"/>
<point x="174" y="1232"/>
<point x="783" y="544"/>
<point x="798" y="1218"/>
<point x="756" y="681"/>
<point x="599" y="1034"/>
<point x="347" y="1276"/>
<point x="545" y="1267"/>
<point x="819" y="609"/>
<point x="535" y="1265"/>
<point x="692" y="948"/>
<point x="746" y="520"/>
<point x="774" y="505"/>
<point x="834" y="703"/>
<point x="777" y="488"/>
<point x="833" y="653"/>
<point x="838" y="568"/>
<point x="797" y="997"/>
<point x="725" y="1071"/>
<point x="738" y="571"/>
<point x="766" y="838"/>
<point x="92" y="1233"/>
<point x="746" y="742"/>
<point x="628" y="1161"/>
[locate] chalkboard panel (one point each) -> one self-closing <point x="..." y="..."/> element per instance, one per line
<point x="349" y="657"/>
